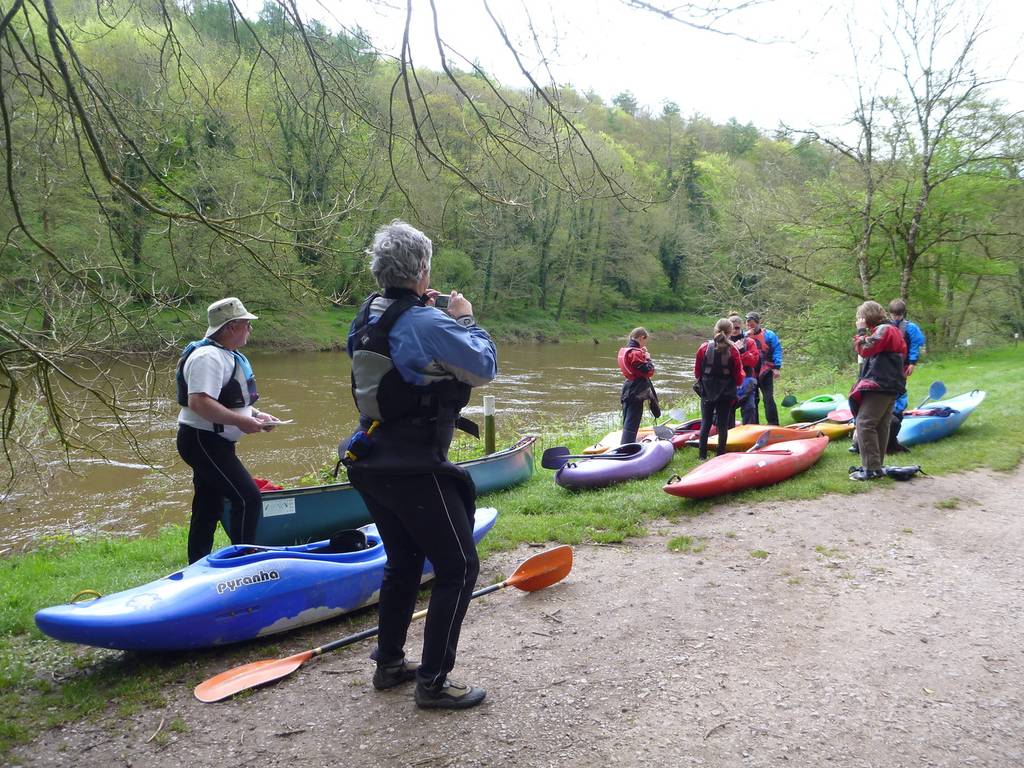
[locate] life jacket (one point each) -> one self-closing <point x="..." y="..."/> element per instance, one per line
<point x="742" y="340"/>
<point x="764" y="359"/>
<point x="903" y="473"/>
<point x="240" y="390"/>
<point x="382" y="395"/>
<point x="885" y="370"/>
<point x="628" y="371"/>
<point x="717" y="373"/>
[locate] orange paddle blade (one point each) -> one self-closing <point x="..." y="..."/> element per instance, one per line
<point x="542" y="570"/>
<point x="249" y="676"/>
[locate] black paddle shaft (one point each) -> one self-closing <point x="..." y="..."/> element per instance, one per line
<point x="374" y="631"/>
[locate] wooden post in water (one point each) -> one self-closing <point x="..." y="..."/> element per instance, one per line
<point x="489" y="424"/>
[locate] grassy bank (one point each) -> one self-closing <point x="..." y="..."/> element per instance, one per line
<point x="44" y="683"/>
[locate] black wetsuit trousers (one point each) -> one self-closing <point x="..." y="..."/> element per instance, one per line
<point x="717" y="412"/>
<point x="632" y="414"/>
<point x="766" y="387"/>
<point x="217" y="474"/>
<point x="421" y="516"/>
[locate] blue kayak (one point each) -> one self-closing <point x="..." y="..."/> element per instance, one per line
<point x="939" y="419"/>
<point x="237" y="593"/>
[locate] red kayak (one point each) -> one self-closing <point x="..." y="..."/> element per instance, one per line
<point x="733" y="472"/>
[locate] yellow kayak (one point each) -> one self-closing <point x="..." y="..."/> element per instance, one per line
<point x="830" y="429"/>
<point x="743" y="436"/>
<point x="611" y="440"/>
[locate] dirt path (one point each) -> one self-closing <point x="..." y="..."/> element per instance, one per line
<point x="866" y="636"/>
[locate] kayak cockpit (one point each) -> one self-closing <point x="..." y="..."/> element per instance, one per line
<point x="321" y="551"/>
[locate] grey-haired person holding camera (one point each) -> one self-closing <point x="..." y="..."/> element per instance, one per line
<point x="413" y="368"/>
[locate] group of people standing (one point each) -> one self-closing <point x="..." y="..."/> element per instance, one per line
<point x="737" y="368"/>
<point x="416" y="355"/>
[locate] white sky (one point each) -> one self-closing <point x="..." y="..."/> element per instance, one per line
<point x="803" y="80"/>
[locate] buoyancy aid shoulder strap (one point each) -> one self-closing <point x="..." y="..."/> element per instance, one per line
<point x="376" y="334"/>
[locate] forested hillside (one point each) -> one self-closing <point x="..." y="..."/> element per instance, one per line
<point x="159" y="155"/>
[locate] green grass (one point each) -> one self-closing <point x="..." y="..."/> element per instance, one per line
<point x="686" y="544"/>
<point x="44" y="683"/>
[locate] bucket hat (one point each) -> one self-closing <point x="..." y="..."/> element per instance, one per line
<point x="222" y="312"/>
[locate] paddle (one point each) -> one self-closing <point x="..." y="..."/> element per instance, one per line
<point x="761" y="442"/>
<point x="662" y="432"/>
<point x="935" y="391"/>
<point x="838" y="415"/>
<point x="556" y="458"/>
<point x="678" y="414"/>
<point x="535" y="573"/>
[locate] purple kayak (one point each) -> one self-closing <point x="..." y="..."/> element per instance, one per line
<point x="631" y="461"/>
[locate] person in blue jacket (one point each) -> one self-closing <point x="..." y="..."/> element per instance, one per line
<point x="915" y="340"/>
<point x="413" y="368"/>
<point x="768" y="368"/>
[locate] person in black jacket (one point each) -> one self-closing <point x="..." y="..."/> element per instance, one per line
<point x="719" y="372"/>
<point x="881" y="380"/>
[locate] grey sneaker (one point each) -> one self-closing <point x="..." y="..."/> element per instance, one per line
<point x="451" y="695"/>
<point x="867" y="474"/>
<point x="389" y="675"/>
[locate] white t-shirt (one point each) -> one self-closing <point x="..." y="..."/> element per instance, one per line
<point x="207" y="370"/>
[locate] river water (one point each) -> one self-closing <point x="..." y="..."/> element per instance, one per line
<point x="538" y="385"/>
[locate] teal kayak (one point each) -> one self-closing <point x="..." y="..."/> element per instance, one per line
<point x="300" y="515"/>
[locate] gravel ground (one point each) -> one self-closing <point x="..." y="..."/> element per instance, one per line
<point x="882" y="629"/>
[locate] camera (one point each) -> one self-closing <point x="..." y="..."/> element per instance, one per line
<point x="441" y="301"/>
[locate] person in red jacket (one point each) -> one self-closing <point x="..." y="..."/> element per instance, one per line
<point x="882" y="350"/>
<point x="719" y="371"/>
<point x="750" y="356"/>
<point x="638" y="368"/>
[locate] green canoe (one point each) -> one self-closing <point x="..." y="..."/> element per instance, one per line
<point x="301" y="515"/>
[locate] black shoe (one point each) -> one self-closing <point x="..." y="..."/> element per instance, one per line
<point x="451" y="695"/>
<point x="897" y="448"/>
<point x="389" y="675"/>
<point x="853" y="448"/>
<point x="867" y="474"/>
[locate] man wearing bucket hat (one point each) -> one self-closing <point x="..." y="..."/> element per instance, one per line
<point x="216" y="390"/>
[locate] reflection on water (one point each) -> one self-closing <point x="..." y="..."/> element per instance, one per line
<point x="537" y="385"/>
